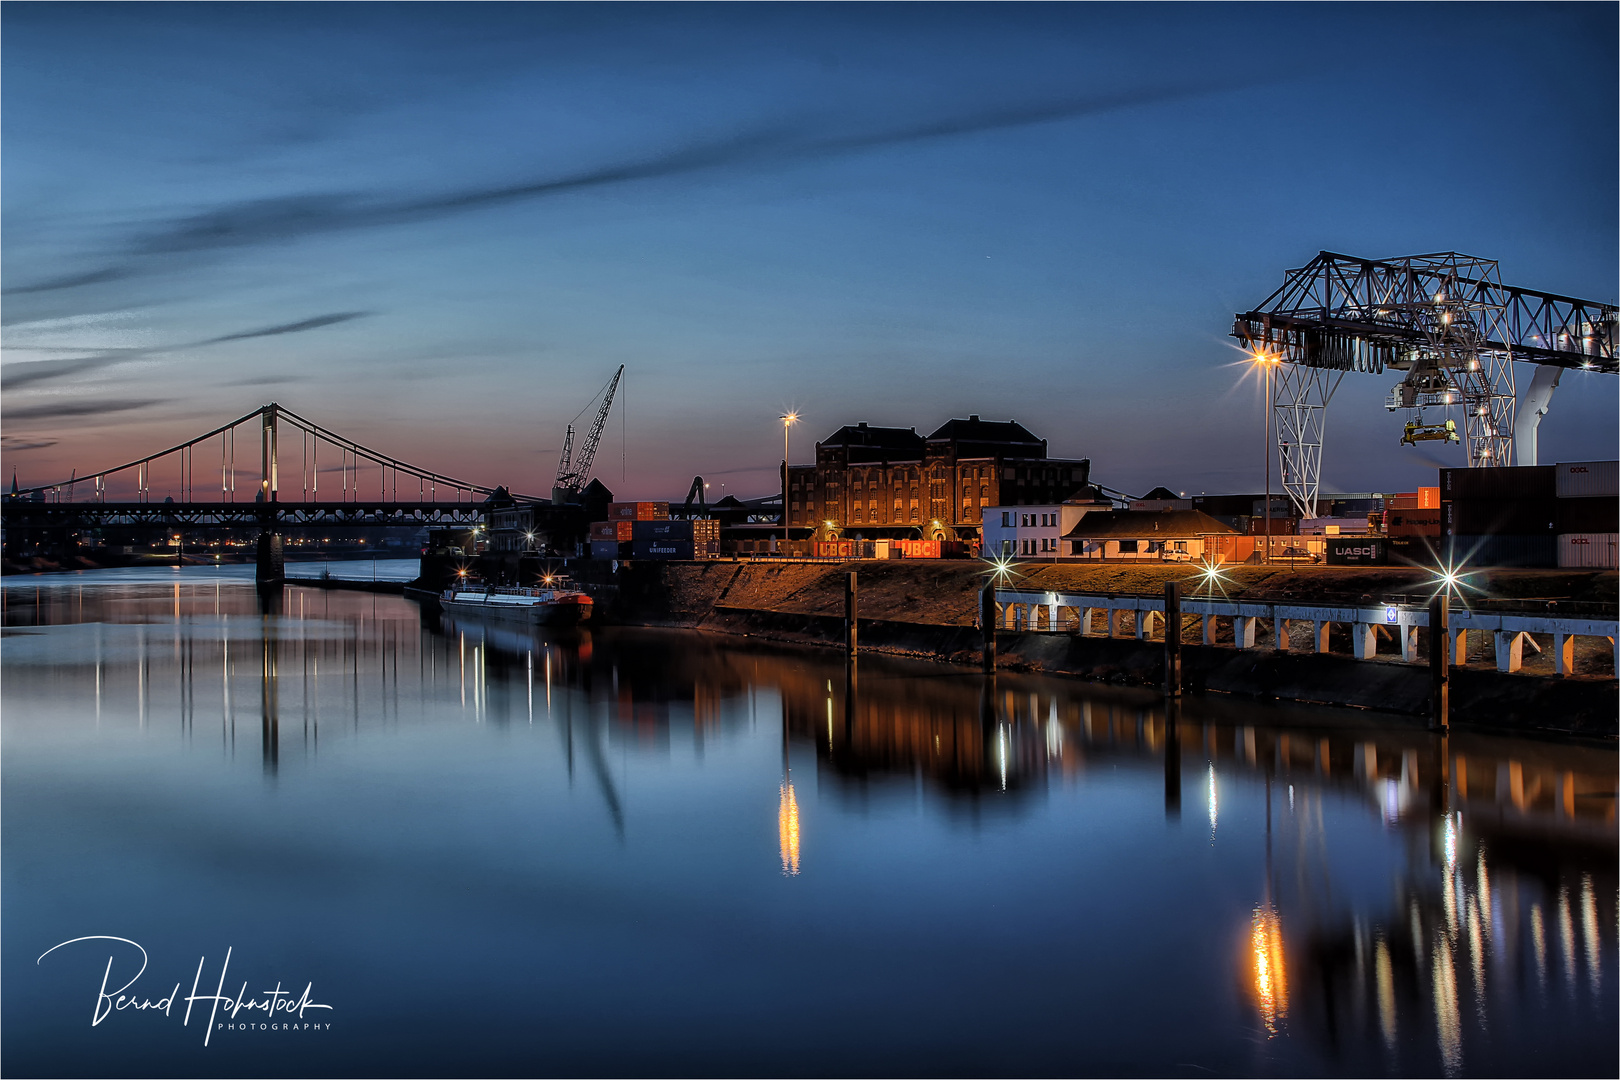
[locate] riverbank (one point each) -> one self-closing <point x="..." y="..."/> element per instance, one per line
<point x="927" y="611"/>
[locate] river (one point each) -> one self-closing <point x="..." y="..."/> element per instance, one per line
<point x="503" y="852"/>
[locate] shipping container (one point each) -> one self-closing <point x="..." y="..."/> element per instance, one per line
<point x="1412" y="522"/>
<point x="1588" y="479"/>
<point x="1357" y="551"/>
<point x="661" y="549"/>
<point x="1413" y="550"/>
<point x="1512" y="482"/>
<point x="611" y="530"/>
<point x="1502" y="549"/>
<point x="699" y="530"/>
<point x="638" y="511"/>
<point x="1518" y="517"/>
<point x="1590" y="515"/>
<point x="1229" y="549"/>
<point x="1594" y="551"/>
<point x="604" y="549"/>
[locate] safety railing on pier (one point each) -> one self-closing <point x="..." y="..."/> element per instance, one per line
<point x="1055" y="611"/>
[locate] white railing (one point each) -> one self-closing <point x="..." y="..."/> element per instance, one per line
<point x="1021" y="610"/>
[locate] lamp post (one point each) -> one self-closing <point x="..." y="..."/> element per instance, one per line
<point x="788" y="420"/>
<point x="1267" y="362"/>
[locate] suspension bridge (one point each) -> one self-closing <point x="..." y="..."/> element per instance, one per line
<point x="322" y="479"/>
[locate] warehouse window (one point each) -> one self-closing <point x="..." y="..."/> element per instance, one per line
<point x="1006" y="519"/>
<point x="1127" y="547"/>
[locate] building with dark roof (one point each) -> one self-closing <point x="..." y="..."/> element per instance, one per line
<point x="1146" y="535"/>
<point x="877" y="482"/>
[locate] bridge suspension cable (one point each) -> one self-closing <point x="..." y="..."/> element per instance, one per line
<point x="269" y="420"/>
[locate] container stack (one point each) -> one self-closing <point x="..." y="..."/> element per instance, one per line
<point x="610" y="539"/>
<point x="1587" y="513"/>
<point x="1501" y="516"/>
<point x="666" y="539"/>
<point x="643" y="530"/>
<point x="1411" y="522"/>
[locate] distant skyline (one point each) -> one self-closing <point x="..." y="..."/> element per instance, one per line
<point x="437" y="229"/>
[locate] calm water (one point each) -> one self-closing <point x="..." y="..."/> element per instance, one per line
<point x="638" y="852"/>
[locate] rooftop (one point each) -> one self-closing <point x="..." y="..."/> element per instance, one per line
<point x="1153" y="524"/>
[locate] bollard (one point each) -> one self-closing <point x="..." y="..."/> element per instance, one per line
<point x="987" y="622"/>
<point x="849" y="614"/>
<point x="1439" y="663"/>
<point x="1172" y="639"/>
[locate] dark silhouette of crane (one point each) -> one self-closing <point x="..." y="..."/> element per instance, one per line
<point x="572" y="476"/>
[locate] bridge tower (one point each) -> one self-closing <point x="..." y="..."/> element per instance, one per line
<point x="270" y="568"/>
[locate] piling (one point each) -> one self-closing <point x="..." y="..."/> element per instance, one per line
<point x="1172" y="639"/>
<point x="850" y="599"/>
<point x="270" y="569"/>
<point x="987" y="622"/>
<point x="1439" y="663"/>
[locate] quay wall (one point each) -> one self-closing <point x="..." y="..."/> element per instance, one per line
<point x="926" y="611"/>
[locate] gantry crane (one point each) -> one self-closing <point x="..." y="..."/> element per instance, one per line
<point x="572" y="476"/>
<point x="1446" y="321"/>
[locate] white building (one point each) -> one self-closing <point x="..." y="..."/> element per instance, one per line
<point x="1034" y="532"/>
<point x="1147" y="536"/>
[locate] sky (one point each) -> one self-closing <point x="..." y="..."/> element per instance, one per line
<point x="438" y="230"/>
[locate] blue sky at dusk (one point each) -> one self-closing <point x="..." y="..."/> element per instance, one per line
<point x="438" y="229"/>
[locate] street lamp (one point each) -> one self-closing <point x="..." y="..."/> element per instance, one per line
<point x="1267" y="364"/>
<point x="788" y="420"/>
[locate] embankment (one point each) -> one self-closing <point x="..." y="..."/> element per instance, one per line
<point x="926" y="610"/>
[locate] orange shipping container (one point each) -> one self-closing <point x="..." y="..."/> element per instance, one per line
<point x="638" y="511"/>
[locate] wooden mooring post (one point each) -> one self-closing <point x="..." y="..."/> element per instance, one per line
<point x="1440" y="663"/>
<point x="987" y="623"/>
<point x="850" y="603"/>
<point x="1172" y="639"/>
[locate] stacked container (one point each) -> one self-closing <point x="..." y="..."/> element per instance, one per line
<point x="1587" y="513"/>
<point x="1499" y="516"/>
<point x="666" y="539"/>
<point x="638" y="511"/>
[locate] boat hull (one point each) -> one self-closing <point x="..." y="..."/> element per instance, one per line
<point x="562" y="612"/>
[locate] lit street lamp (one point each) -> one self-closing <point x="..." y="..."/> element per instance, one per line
<point x="788" y="420"/>
<point x="1268" y="363"/>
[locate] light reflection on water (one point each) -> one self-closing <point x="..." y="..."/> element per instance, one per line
<point x="568" y="840"/>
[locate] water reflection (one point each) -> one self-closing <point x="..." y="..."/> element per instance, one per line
<point x="1427" y="949"/>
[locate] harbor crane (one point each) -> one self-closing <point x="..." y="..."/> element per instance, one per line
<point x="1448" y="324"/>
<point x="572" y="475"/>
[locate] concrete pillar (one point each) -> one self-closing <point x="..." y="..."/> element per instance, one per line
<point x="1144" y="623"/>
<point x="1459" y="648"/>
<point x="1319" y="636"/>
<point x="1408" y="632"/>
<point x="1243" y="631"/>
<point x="1052" y="620"/>
<point x="1364" y="640"/>
<point x="1114" y="616"/>
<point x="1563" y="653"/>
<point x="1279" y="634"/>
<point x="1086" y="614"/>
<point x="1509" y="650"/>
<point x="1207" y="624"/>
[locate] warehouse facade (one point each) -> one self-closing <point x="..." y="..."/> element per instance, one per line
<point x="892" y="482"/>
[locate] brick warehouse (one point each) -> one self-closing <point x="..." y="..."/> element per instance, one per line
<point x="880" y="482"/>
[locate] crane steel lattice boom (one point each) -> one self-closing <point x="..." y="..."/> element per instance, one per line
<point x="1443" y="319"/>
<point x="573" y="476"/>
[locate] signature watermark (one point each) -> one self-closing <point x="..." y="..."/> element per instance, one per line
<point x="267" y="1010"/>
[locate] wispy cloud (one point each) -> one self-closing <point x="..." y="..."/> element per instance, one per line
<point x="290" y="218"/>
<point x="12" y="444"/>
<point x="17" y="375"/>
<point x="57" y="410"/>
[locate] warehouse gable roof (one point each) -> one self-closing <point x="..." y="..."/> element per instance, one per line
<point x="881" y="438"/>
<point x="1149" y="524"/>
<point x="974" y="430"/>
